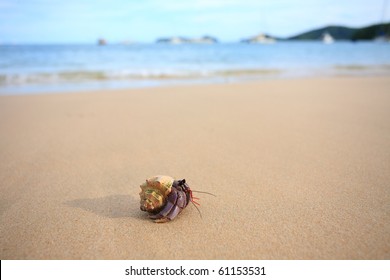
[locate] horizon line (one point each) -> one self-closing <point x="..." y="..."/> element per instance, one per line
<point x="154" y="41"/>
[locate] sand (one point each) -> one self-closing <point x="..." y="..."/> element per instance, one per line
<point x="301" y="170"/>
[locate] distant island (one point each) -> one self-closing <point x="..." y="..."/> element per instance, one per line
<point x="327" y="34"/>
<point x="260" y="38"/>
<point x="372" y="32"/>
<point x="184" y="40"/>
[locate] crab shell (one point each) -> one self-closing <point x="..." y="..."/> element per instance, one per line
<point x="154" y="193"/>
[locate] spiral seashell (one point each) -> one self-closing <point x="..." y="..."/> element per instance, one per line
<point x="154" y="193"/>
<point x="165" y="198"/>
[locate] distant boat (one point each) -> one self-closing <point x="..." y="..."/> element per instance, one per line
<point x="383" y="34"/>
<point x="327" y="38"/>
<point x="382" y="39"/>
<point x="102" y="42"/>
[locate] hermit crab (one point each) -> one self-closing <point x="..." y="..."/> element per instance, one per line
<point x="164" y="198"/>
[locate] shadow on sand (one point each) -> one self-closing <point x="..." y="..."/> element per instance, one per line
<point x="112" y="206"/>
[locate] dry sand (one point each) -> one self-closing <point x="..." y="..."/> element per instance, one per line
<point x="301" y="169"/>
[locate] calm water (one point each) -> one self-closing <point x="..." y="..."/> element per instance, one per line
<point x="51" y="68"/>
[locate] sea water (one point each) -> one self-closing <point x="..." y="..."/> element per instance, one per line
<point x="56" y="68"/>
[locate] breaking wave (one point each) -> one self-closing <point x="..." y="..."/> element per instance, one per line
<point x="12" y="79"/>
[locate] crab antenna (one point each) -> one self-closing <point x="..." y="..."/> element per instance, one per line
<point x="193" y="201"/>
<point x="205" y="193"/>
<point x="197" y="209"/>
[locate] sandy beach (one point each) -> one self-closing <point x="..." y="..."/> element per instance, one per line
<point x="301" y="170"/>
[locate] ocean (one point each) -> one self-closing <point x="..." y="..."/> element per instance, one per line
<point x="62" y="68"/>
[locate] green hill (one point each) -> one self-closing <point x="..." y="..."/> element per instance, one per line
<point x="346" y="33"/>
<point x="372" y="32"/>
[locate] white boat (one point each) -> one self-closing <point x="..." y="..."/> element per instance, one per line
<point x="327" y="38"/>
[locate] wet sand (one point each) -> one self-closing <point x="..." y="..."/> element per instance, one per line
<point x="301" y="170"/>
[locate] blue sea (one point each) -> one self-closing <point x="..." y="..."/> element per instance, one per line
<point x="58" y="68"/>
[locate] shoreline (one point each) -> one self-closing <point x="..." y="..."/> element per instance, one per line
<point x="185" y="84"/>
<point x="300" y="169"/>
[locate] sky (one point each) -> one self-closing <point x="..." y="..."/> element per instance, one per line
<point x="83" y="21"/>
